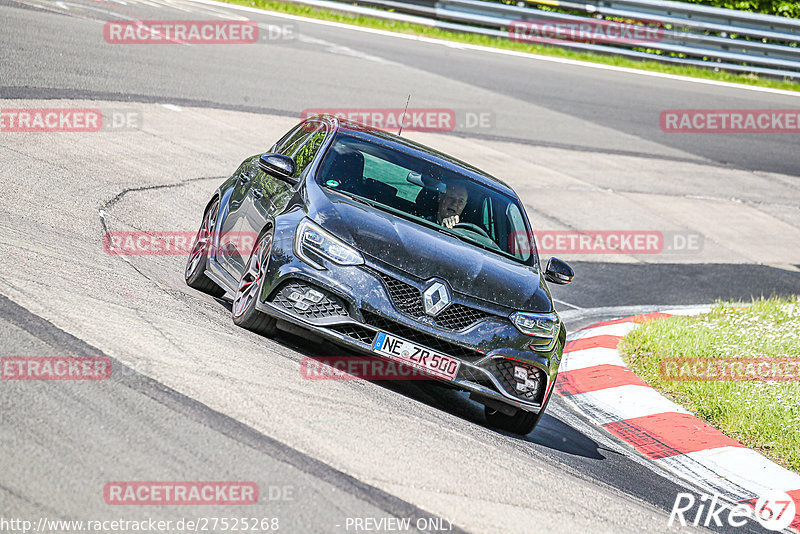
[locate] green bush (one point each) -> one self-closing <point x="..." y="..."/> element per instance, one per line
<point x="781" y="8"/>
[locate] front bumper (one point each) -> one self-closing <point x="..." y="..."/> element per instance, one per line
<point x="358" y="304"/>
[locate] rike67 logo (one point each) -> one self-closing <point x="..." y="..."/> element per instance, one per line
<point x="774" y="510"/>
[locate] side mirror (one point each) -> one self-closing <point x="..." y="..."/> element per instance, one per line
<point x="279" y="166"/>
<point x="558" y="272"/>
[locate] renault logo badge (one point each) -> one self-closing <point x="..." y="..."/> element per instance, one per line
<point x="435" y="298"/>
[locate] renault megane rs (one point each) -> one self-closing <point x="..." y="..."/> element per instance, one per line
<point x="389" y="248"/>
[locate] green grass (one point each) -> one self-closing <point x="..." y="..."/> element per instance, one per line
<point x="483" y="40"/>
<point x="763" y="415"/>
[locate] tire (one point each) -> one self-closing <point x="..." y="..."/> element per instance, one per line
<point x="244" y="310"/>
<point x="194" y="274"/>
<point x="521" y="423"/>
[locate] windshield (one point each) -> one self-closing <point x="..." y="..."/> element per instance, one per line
<point x="428" y="194"/>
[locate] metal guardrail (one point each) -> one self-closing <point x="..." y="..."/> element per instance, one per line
<point x="691" y="34"/>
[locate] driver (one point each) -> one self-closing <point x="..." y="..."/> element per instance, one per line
<point x="451" y="204"/>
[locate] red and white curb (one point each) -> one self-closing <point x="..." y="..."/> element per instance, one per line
<point x="594" y="379"/>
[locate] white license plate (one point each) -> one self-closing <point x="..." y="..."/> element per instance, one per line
<point x="416" y="356"/>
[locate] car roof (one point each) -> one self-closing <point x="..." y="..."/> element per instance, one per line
<point x="401" y="144"/>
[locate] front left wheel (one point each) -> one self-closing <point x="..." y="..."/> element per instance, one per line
<point x="521" y="423"/>
<point x="244" y="310"/>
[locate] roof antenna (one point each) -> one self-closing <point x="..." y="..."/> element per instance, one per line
<point x="403" y="116"/>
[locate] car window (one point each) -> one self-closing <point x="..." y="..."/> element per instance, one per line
<point x="302" y="144"/>
<point x="488" y="218"/>
<point x="391" y="174"/>
<point x="520" y="245"/>
<point x="424" y="191"/>
<point x="305" y="153"/>
<point x="290" y="140"/>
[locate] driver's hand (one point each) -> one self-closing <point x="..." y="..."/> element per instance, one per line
<point x="450" y="222"/>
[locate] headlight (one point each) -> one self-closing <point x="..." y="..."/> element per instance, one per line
<point x="543" y="327"/>
<point x="311" y="241"/>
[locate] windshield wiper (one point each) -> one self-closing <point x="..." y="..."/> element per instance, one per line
<point x="358" y="198"/>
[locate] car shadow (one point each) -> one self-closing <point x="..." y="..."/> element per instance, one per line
<point x="554" y="437"/>
<point x="551" y="432"/>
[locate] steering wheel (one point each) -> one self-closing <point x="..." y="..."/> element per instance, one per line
<point x="472" y="227"/>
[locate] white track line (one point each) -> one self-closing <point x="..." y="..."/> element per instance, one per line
<point x="513" y="53"/>
<point x="615" y="403"/>
<point x="582" y="359"/>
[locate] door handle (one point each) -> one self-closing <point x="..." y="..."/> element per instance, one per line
<point x="257" y="194"/>
<point x="244" y="178"/>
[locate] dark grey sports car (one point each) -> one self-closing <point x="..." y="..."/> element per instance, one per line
<point x="389" y="248"/>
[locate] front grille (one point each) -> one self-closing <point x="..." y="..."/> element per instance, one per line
<point x="309" y="301"/>
<point x="457" y="317"/>
<point x="405" y="297"/>
<point x="356" y="332"/>
<point x="408" y="299"/>
<point x="476" y="377"/>
<point x="421" y="338"/>
<point x="530" y="389"/>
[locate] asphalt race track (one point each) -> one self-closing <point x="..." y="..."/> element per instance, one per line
<point x="194" y="398"/>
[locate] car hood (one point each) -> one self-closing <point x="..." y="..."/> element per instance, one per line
<point x="425" y="253"/>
